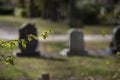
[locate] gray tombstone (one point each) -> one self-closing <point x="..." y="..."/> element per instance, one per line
<point x="76" y="43"/>
<point x="31" y="49"/>
<point x="115" y="43"/>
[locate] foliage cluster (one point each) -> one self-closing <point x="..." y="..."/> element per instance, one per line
<point x="8" y="59"/>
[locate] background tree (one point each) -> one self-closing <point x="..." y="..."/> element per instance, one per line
<point x="31" y="8"/>
<point x="71" y="11"/>
<point x="46" y="11"/>
<point x="22" y="3"/>
<point x="55" y="7"/>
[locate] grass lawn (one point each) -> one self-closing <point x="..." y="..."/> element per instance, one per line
<point x="61" y="68"/>
<point x="59" y="46"/>
<point x="57" y="27"/>
<point x="41" y="24"/>
<point x="56" y="47"/>
<point x="97" y="45"/>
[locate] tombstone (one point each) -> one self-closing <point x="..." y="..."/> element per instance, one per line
<point x="76" y="43"/>
<point x="31" y="49"/>
<point x="115" y="43"/>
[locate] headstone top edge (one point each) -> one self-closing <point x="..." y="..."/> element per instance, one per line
<point x="115" y="29"/>
<point x="74" y="30"/>
<point x="27" y="24"/>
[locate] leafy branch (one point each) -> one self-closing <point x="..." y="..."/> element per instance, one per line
<point x="9" y="59"/>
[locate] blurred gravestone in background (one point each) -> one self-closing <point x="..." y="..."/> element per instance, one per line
<point x="31" y="49"/>
<point x="115" y="43"/>
<point x="76" y="43"/>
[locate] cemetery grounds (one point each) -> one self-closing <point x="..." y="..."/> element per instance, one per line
<point x="60" y="68"/>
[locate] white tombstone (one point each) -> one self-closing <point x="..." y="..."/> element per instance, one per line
<point x="76" y="43"/>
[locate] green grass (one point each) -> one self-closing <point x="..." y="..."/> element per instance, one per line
<point x="97" y="45"/>
<point x="61" y="68"/>
<point x="57" y="27"/>
<point x="98" y="29"/>
<point x="41" y="24"/>
<point x="59" y="46"/>
<point x="53" y="46"/>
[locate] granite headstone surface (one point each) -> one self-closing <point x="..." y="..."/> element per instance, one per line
<point x="76" y="43"/>
<point x="31" y="49"/>
<point x="115" y="43"/>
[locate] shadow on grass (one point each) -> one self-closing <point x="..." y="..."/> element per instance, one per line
<point x="53" y="58"/>
<point x="46" y="58"/>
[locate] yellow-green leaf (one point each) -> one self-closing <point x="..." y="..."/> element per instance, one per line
<point x="103" y="33"/>
<point x="23" y="43"/>
<point x="107" y="62"/>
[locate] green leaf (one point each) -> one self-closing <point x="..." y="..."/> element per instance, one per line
<point x="103" y="33"/>
<point x="7" y="44"/>
<point x="44" y="37"/>
<point x="34" y="37"/>
<point x="31" y="37"/>
<point x="118" y="55"/>
<point x="50" y="31"/>
<point x="8" y="59"/>
<point x="23" y="42"/>
<point x="14" y="43"/>
<point x="107" y="62"/>
<point x="45" y="34"/>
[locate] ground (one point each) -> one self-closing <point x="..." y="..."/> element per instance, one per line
<point x="61" y="68"/>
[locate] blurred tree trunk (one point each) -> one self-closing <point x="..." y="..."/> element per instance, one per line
<point x="116" y="1"/>
<point x="31" y="8"/>
<point x="72" y="20"/>
<point x="55" y="6"/>
<point x="71" y="10"/>
<point x="112" y="1"/>
<point x="22" y="3"/>
<point x="46" y="12"/>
